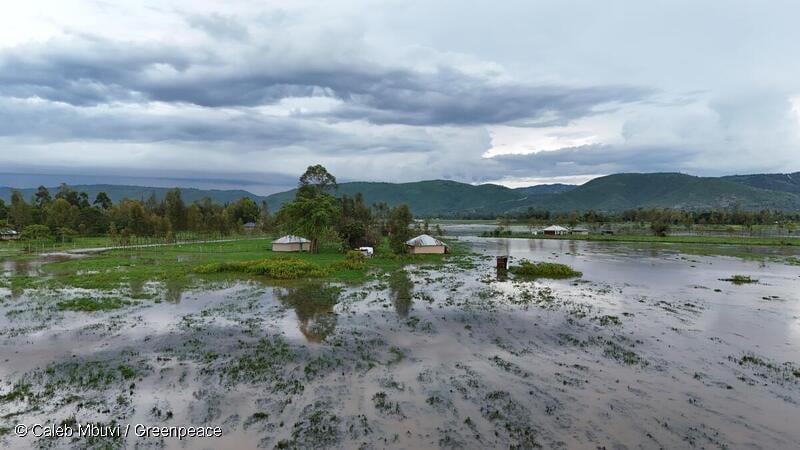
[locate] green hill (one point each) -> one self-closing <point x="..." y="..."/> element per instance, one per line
<point x="427" y="198"/>
<point x="664" y="190"/>
<point x="783" y="182"/>
<point x="441" y="198"/>
<point x="118" y="192"/>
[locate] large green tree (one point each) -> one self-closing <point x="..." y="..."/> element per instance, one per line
<point x="399" y="219"/>
<point x="314" y="212"/>
<point x="175" y="209"/>
<point x="310" y="216"/>
<point x="19" y="214"/>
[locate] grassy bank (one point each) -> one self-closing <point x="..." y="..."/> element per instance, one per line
<point x="195" y="263"/>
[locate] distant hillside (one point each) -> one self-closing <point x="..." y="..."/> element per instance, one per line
<point x="783" y="182"/>
<point x="556" y="188"/>
<point x="118" y="192"/>
<point x="426" y="198"/>
<point x="441" y="198"/>
<point x="664" y="190"/>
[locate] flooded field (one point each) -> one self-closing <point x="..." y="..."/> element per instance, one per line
<point x="649" y="348"/>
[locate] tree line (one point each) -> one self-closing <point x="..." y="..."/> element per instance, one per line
<point x="315" y="213"/>
<point x="669" y="216"/>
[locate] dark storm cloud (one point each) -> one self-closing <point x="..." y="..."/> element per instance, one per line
<point x="594" y="159"/>
<point x="59" y="122"/>
<point x="89" y="71"/>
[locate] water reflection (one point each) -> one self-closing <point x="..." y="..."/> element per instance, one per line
<point x="174" y="292"/>
<point x="313" y="305"/>
<point x="401" y="289"/>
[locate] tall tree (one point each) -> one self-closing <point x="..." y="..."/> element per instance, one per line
<point x="19" y="214"/>
<point x="399" y="219"/>
<point x="42" y="197"/>
<point x="103" y="201"/>
<point x="314" y="211"/>
<point x="244" y="210"/>
<point x="311" y="217"/>
<point x="317" y="179"/>
<point x="175" y="209"/>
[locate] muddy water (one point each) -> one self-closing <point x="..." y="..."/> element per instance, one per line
<point x="648" y="349"/>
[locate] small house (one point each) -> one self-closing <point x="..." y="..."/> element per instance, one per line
<point x="555" y="230"/>
<point x="249" y="227"/>
<point x="7" y="234"/>
<point x="291" y="243"/>
<point x="580" y="231"/>
<point x="424" y="244"/>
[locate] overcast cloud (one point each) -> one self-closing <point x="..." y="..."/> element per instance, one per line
<point x="514" y="92"/>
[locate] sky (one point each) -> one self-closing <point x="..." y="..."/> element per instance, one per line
<point x="247" y="94"/>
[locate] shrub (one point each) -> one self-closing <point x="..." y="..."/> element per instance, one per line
<point x="65" y="234"/>
<point x="543" y="270"/>
<point x="35" y="233"/>
<point x="659" y="228"/>
<point x="353" y="260"/>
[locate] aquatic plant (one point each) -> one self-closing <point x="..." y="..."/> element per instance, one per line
<point x="543" y="270"/>
<point x="740" y="279"/>
<point x="90" y="304"/>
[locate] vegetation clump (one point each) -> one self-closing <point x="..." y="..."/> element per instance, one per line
<point x="288" y="268"/>
<point x="91" y="304"/>
<point x="740" y="279"/>
<point x="353" y="260"/>
<point x="544" y="270"/>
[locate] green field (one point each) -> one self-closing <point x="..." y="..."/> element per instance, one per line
<point x="128" y="269"/>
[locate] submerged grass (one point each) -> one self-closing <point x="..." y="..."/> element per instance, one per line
<point x="90" y="304"/>
<point x="740" y="279"/>
<point x="529" y="269"/>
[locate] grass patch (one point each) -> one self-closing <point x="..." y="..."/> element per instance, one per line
<point x="91" y="304"/>
<point x="285" y="268"/>
<point x="740" y="279"/>
<point x="528" y="269"/>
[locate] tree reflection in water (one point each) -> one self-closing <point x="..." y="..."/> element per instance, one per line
<point x="313" y="304"/>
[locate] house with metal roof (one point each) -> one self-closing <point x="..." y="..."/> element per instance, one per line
<point x="555" y="230"/>
<point x="424" y="244"/>
<point x="291" y="243"/>
<point x="7" y="234"/>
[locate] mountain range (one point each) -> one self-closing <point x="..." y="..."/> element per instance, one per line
<point x="444" y="198"/>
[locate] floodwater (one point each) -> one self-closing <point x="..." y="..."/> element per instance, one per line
<point x="649" y="348"/>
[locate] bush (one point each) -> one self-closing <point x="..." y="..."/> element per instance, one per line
<point x="36" y="233"/>
<point x="278" y="268"/>
<point x="543" y="270"/>
<point x="659" y="228"/>
<point x="353" y="260"/>
<point x="65" y="234"/>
